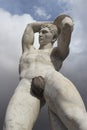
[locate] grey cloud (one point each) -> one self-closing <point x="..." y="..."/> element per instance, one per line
<point x="11" y="30"/>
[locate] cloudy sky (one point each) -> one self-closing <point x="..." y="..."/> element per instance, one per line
<point x="14" y="16"/>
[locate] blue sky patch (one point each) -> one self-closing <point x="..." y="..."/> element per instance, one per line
<point x="38" y="9"/>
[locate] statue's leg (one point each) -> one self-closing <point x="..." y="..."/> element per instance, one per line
<point x="65" y="101"/>
<point x="23" y="108"/>
<point x="55" y="122"/>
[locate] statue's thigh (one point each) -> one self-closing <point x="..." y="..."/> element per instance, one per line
<point x="23" y="108"/>
<point x="65" y="101"/>
<point x="55" y="122"/>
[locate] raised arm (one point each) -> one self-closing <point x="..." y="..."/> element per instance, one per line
<point x="64" y="24"/>
<point x="28" y="36"/>
<point x="65" y="36"/>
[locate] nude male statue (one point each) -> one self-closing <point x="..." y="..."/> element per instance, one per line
<point x="66" y="108"/>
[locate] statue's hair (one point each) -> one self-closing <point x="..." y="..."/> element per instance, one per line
<point x="52" y="28"/>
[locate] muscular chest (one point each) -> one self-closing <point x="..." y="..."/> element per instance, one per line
<point x="37" y="56"/>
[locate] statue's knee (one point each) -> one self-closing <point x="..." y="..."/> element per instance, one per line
<point x="78" y="117"/>
<point x="37" y="86"/>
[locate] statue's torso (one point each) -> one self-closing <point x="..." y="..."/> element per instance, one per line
<point x="35" y="63"/>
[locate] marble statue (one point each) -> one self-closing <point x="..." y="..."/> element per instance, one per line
<point x="41" y="82"/>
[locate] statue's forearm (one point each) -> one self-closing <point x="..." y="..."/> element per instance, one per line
<point x="65" y="36"/>
<point x="36" y="26"/>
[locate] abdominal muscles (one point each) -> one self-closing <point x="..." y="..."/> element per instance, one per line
<point x="32" y="65"/>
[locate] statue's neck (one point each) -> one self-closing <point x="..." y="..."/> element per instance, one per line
<point x="48" y="46"/>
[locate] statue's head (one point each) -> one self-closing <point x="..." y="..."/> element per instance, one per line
<point x="48" y="34"/>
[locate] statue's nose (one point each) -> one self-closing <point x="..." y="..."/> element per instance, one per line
<point x="40" y="34"/>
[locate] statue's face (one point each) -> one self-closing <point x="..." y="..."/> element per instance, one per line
<point x="45" y="36"/>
